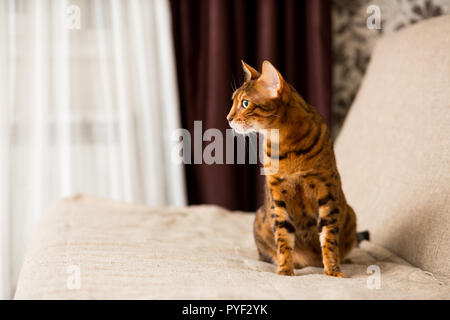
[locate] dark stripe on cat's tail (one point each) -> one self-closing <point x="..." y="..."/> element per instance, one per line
<point x="363" y="235"/>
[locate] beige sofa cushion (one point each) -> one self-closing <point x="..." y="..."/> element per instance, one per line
<point x="202" y="252"/>
<point x="394" y="149"/>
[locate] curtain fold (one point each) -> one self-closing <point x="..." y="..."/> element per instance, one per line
<point x="85" y="108"/>
<point x="211" y="37"/>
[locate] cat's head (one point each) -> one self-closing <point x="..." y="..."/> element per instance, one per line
<point x="257" y="103"/>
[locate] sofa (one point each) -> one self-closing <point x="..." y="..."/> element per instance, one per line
<point x="393" y="154"/>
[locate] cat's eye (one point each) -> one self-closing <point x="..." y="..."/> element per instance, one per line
<point x="245" y="104"/>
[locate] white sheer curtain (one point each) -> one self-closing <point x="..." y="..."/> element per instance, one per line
<point x="88" y="109"/>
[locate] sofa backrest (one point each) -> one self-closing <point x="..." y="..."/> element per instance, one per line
<point x="394" y="149"/>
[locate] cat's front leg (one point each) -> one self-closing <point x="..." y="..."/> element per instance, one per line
<point x="328" y="227"/>
<point x="284" y="235"/>
<point x="284" y="232"/>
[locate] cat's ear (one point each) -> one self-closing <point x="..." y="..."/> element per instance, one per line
<point x="271" y="79"/>
<point x="249" y="72"/>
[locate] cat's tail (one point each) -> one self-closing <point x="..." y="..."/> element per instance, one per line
<point x="363" y="235"/>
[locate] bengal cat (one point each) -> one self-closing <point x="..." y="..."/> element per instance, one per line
<point x="305" y="220"/>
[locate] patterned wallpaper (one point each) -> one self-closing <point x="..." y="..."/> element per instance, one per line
<point x="353" y="41"/>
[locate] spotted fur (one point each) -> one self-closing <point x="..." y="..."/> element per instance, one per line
<point x="305" y="220"/>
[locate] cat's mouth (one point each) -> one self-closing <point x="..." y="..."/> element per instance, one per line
<point x="241" y="127"/>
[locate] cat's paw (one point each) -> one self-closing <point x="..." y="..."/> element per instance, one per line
<point x="334" y="274"/>
<point x="285" y="272"/>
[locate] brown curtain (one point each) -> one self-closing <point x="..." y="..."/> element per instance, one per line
<point x="211" y="37"/>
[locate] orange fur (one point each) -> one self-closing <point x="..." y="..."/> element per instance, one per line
<point x="305" y="220"/>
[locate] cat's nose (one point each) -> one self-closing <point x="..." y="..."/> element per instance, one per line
<point x="230" y="118"/>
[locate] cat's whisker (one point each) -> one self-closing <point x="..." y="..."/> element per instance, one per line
<point x="232" y="87"/>
<point x="234" y="82"/>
